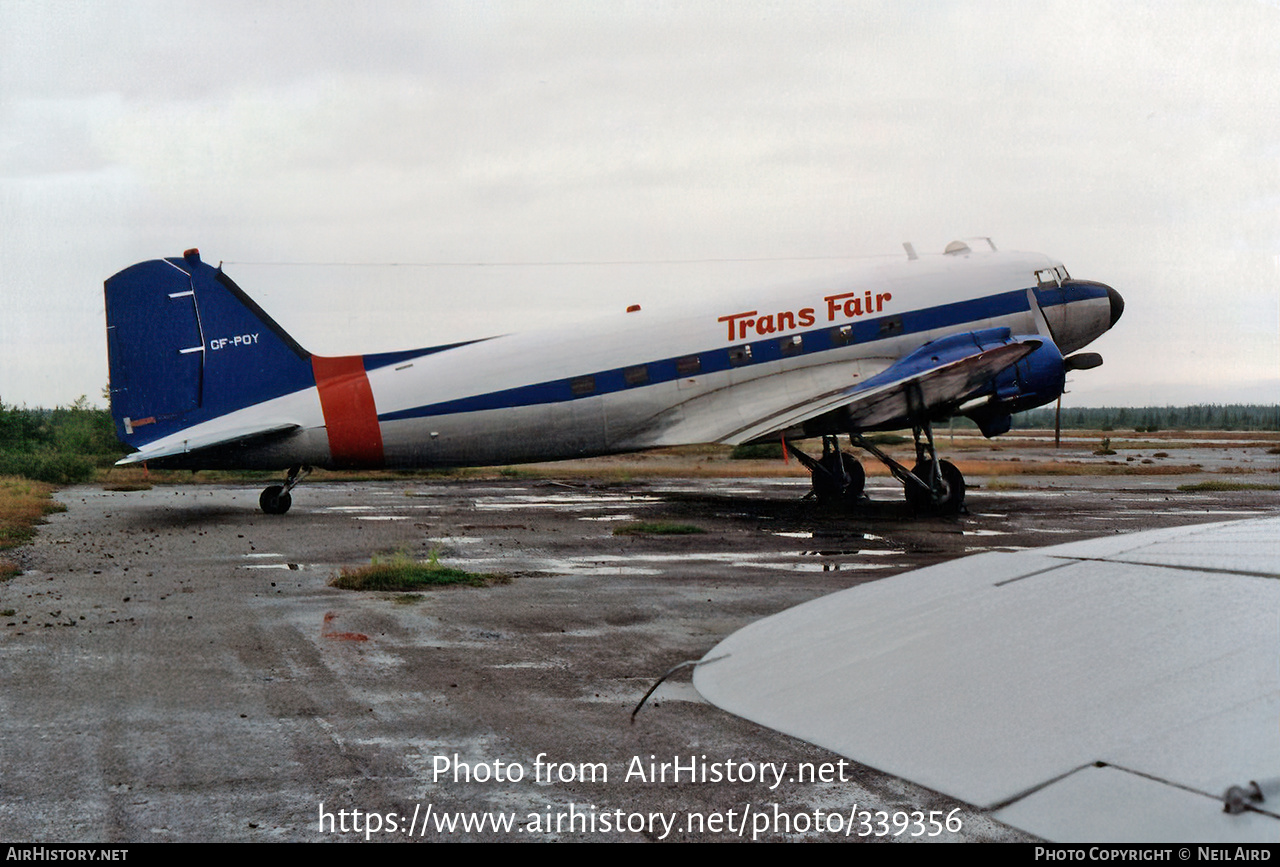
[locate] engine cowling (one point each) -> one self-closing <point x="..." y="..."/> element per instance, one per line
<point x="1037" y="379"/>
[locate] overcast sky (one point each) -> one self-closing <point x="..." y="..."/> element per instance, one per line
<point x="340" y="156"/>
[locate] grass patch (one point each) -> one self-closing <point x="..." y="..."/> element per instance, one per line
<point x="887" y="439"/>
<point x="1227" y="486"/>
<point x="127" y="488"/>
<point x="401" y="572"/>
<point x="1003" y="486"/>
<point x="23" y="505"/>
<point x="657" y="528"/>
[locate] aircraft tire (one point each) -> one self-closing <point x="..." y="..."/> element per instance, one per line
<point x="828" y="491"/>
<point x="275" y="500"/>
<point x="953" y="494"/>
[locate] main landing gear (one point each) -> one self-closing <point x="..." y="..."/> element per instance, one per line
<point x="837" y="476"/>
<point x="275" y="500"/>
<point x="930" y="486"/>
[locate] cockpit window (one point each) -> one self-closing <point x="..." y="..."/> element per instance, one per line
<point x="1047" y="278"/>
<point x="1062" y="274"/>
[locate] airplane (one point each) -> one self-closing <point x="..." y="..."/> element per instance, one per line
<point x="202" y="378"/>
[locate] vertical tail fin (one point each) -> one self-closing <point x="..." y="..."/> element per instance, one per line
<point x="185" y="344"/>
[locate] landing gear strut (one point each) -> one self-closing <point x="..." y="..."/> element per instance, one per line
<point x="930" y="486"/>
<point x="275" y="500"/>
<point x="837" y="476"/>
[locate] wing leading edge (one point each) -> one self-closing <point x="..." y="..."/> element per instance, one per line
<point x="935" y="379"/>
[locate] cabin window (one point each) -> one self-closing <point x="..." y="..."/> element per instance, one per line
<point x="583" y="385"/>
<point x="842" y="336"/>
<point x="890" y="326"/>
<point x="688" y="366"/>
<point x="638" y="375"/>
<point x="740" y="355"/>
<point x="791" y="345"/>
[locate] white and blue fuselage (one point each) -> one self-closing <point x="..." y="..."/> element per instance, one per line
<point x="203" y="378"/>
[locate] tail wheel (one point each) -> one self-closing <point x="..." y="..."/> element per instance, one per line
<point x="275" y="500"/>
<point x="828" y="486"/>
<point x="947" y="500"/>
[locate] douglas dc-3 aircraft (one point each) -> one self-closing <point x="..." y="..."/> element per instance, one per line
<point x="203" y="378"/>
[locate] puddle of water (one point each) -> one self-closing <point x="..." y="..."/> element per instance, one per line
<point x="540" y="664"/>
<point x="567" y="502"/>
<point x="292" y="567"/>
<point x="984" y="532"/>
<point x="349" y="508"/>
<point x="850" y="552"/>
<point x="1038" y="492"/>
<point x="822" y="567"/>
<point x="456" y="540"/>
<point x="618" y="517"/>
<point x="271" y="554"/>
<point x="803" y="534"/>
<point x="582" y="566"/>
<point x="382" y="518"/>
<point x="1209" y="512"/>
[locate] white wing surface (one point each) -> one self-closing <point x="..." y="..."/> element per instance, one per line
<point x="1107" y="690"/>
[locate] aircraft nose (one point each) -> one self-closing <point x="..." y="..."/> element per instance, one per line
<point x="1117" y="305"/>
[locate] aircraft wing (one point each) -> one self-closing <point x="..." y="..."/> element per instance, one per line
<point x="1114" y="690"/>
<point x="171" y="447"/>
<point x="941" y="373"/>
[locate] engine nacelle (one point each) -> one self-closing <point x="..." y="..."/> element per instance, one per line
<point x="1037" y="379"/>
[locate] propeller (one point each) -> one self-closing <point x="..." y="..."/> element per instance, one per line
<point x="1082" y="361"/>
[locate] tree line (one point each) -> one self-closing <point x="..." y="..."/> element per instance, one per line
<point x="1203" y="416"/>
<point x="61" y="445"/>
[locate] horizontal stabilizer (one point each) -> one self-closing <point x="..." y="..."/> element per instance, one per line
<point x="215" y="440"/>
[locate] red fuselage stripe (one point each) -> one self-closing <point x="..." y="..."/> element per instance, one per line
<point x="350" y="417"/>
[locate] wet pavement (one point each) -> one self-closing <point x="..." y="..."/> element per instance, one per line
<point x="175" y="666"/>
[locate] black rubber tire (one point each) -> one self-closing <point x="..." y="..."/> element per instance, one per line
<point x="275" y="500"/>
<point x="953" y="496"/>
<point x="828" y="491"/>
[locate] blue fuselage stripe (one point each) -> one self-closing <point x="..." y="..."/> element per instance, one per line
<point x="763" y="351"/>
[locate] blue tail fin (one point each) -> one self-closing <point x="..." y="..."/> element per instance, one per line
<point x="186" y="345"/>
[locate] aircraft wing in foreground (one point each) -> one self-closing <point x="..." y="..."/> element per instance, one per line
<point x="1120" y="689"/>
<point x="203" y="378"/>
